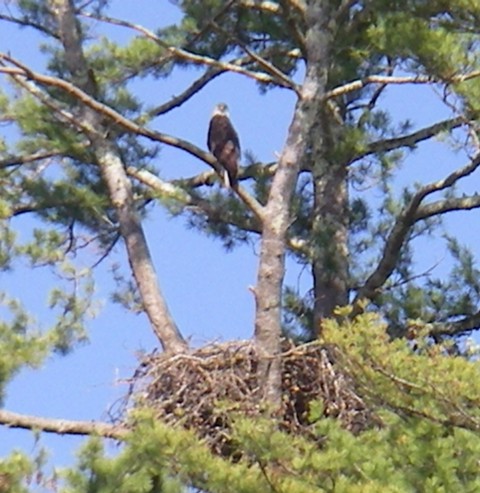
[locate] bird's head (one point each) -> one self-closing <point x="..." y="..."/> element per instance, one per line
<point x="220" y="109"/>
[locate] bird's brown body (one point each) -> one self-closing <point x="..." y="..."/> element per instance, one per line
<point x="224" y="144"/>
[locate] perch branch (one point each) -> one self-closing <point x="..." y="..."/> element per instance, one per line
<point x="22" y="71"/>
<point x="176" y="192"/>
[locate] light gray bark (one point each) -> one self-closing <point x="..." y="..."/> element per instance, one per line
<point x="118" y="185"/>
<point x="268" y="292"/>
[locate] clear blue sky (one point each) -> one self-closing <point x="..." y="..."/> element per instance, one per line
<point x="205" y="287"/>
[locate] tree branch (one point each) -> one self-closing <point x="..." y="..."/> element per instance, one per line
<point x="385" y="79"/>
<point x="185" y="55"/>
<point x="410" y="140"/>
<point x="12" y="161"/>
<point x="29" y="23"/>
<point x="263" y="6"/>
<point x="401" y="230"/>
<point x="458" y="327"/>
<point x="173" y="191"/>
<point x="61" y="426"/>
<point x="184" y="96"/>
<point x="281" y="79"/>
<point x="448" y="205"/>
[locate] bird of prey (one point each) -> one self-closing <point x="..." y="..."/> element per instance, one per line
<point x="223" y="143"/>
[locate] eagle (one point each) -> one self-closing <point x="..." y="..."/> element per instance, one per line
<point x="223" y="143"/>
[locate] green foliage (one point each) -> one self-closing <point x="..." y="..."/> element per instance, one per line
<point x="13" y="470"/>
<point x="158" y="458"/>
<point x="23" y="342"/>
<point x="426" y="437"/>
<point x="425" y="382"/>
<point x="20" y="345"/>
<point x="426" y="399"/>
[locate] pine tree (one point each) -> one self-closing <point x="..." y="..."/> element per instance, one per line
<point x="81" y="116"/>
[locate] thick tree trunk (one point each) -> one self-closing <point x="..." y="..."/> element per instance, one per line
<point x="277" y="217"/>
<point x="118" y="185"/>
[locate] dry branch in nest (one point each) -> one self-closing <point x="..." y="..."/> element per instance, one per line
<point x="201" y="390"/>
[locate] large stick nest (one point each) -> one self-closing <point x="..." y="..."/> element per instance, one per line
<point x="204" y="388"/>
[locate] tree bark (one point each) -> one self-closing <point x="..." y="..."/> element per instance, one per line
<point x="268" y="292"/>
<point x="118" y="185"/>
<point x="329" y="224"/>
<point x="61" y="426"/>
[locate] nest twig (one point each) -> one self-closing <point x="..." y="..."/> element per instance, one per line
<point x="202" y="389"/>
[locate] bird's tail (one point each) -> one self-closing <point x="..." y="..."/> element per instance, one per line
<point x="228" y="180"/>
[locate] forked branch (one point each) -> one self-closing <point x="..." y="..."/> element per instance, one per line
<point x="411" y="214"/>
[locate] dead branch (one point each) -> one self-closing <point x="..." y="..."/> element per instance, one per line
<point x="385" y="79"/>
<point x="61" y="426"/>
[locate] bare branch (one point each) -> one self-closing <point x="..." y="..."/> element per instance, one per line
<point x="385" y="79"/>
<point x="244" y="173"/>
<point x="12" y="161"/>
<point x="29" y="23"/>
<point x="448" y="205"/>
<point x="61" y="426"/>
<point x="281" y="78"/>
